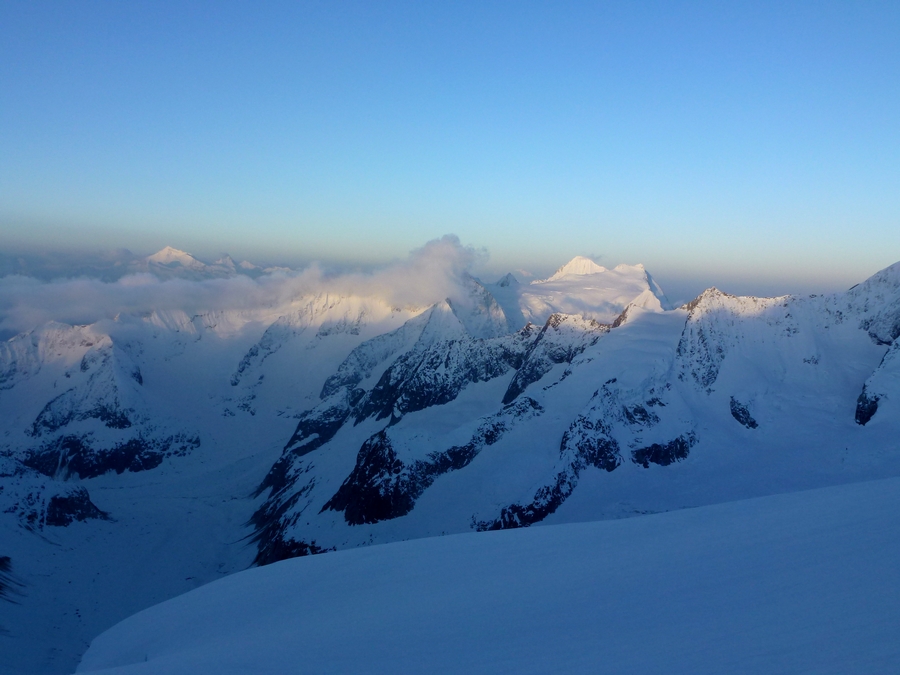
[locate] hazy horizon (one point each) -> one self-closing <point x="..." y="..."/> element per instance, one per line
<point x="753" y="147"/>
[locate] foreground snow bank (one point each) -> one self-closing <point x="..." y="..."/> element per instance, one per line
<point x="801" y="582"/>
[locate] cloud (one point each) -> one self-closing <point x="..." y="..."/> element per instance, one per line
<point x="430" y="273"/>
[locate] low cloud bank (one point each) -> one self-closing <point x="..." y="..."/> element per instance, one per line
<point x="428" y="275"/>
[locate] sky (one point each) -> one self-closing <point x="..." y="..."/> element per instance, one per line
<point x="751" y="146"/>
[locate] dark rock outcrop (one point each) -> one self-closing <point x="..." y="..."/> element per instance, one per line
<point x="382" y="487"/>
<point x="65" y="509"/>
<point x="664" y="454"/>
<point x="282" y="549"/>
<point x="76" y="455"/>
<point x="866" y="407"/>
<point x="741" y="413"/>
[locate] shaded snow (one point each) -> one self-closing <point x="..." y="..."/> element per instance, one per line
<point x="804" y="582"/>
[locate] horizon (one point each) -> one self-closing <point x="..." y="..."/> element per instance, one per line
<point x="749" y="147"/>
<point x="57" y="266"/>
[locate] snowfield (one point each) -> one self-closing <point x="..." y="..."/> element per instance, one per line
<point x="203" y="422"/>
<point x="806" y="582"/>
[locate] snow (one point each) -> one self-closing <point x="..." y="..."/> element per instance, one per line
<point x="580" y="287"/>
<point x="172" y="256"/>
<point x="239" y="380"/>
<point x="802" y="582"/>
<point x="577" y="265"/>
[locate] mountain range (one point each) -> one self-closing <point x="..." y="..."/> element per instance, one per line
<point x="144" y="455"/>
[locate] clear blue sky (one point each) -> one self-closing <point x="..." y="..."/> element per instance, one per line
<point x="719" y="141"/>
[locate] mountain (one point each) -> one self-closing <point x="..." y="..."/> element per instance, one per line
<point x="505" y="436"/>
<point x="577" y="266"/>
<point x="146" y="455"/>
<point x="167" y="263"/>
<point x="580" y="287"/>
<point x="803" y="582"/>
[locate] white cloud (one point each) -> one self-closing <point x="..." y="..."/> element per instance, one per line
<point x="428" y="275"/>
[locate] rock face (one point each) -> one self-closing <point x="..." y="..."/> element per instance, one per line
<point x="76" y="505"/>
<point x="381" y="486"/>
<point x="38" y="502"/>
<point x="99" y="423"/>
<point x="882" y="389"/>
<point x="740" y="412"/>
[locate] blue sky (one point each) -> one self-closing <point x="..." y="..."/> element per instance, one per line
<point x="753" y="146"/>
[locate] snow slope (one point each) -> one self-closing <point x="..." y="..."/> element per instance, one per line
<point x="803" y="582"/>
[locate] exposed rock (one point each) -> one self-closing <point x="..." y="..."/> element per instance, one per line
<point x="436" y="374"/>
<point x="587" y="442"/>
<point x="382" y="487"/>
<point x="77" y="455"/>
<point x="319" y="425"/>
<point x="283" y="549"/>
<point x="866" y="407"/>
<point x="65" y="509"/>
<point x="664" y="453"/>
<point x="562" y="338"/>
<point x="740" y="412"/>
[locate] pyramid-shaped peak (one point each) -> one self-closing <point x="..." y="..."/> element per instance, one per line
<point x="508" y="280"/>
<point x="577" y="265"/>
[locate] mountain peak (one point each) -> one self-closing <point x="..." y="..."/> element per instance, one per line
<point x="577" y="266"/>
<point x="173" y="256"/>
<point x="226" y="261"/>
<point x="508" y="280"/>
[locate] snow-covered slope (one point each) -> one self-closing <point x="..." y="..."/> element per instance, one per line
<point x="805" y="582"/>
<point x="731" y="396"/>
<point x="144" y="455"/>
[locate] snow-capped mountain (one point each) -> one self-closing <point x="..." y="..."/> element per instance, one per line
<point x="143" y="455"/>
<point x="170" y="263"/>
<point x="580" y="287"/>
<point x="167" y="263"/>
<point x="498" y="433"/>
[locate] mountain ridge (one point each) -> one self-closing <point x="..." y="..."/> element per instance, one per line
<point x="128" y="447"/>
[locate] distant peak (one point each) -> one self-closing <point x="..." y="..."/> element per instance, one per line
<point x="508" y="280"/>
<point x="170" y="255"/>
<point x="577" y="265"/>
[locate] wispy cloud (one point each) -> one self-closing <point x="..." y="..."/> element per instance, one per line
<point x="429" y="274"/>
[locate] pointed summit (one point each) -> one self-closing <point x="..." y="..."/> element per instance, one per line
<point x="577" y="266"/>
<point x="226" y="261"/>
<point x="508" y="280"/>
<point x="172" y="256"/>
